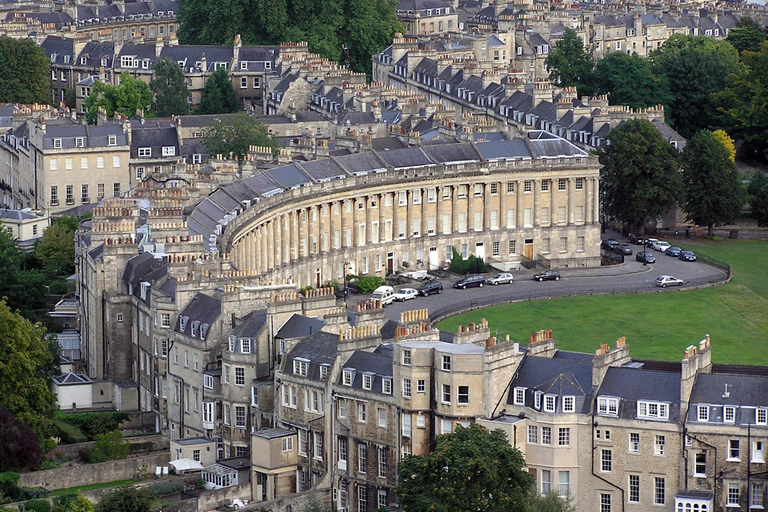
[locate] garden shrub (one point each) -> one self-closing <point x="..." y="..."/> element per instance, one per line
<point x="37" y="506"/>
<point x="165" y="488"/>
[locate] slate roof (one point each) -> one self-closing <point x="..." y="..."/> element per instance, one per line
<point x="250" y="325"/>
<point x="379" y="366"/>
<point x="93" y="136"/>
<point x="453" y="153"/>
<point x="547" y="145"/>
<point x="299" y="326"/>
<point x="554" y="376"/>
<point x="59" y="46"/>
<point x="152" y="136"/>
<point x="139" y="267"/>
<point x="515" y="149"/>
<point x="639" y="384"/>
<point x="191" y="55"/>
<point x="401" y="158"/>
<point x="70" y="379"/>
<point x="289" y="176"/>
<point x="202" y="309"/>
<point x="323" y="170"/>
<point x="744" y="390"/>
<point x="318" y="349"/>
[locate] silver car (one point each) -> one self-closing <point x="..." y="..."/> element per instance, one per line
<point x="664" y="281"/>
<point x="503" y="278"/>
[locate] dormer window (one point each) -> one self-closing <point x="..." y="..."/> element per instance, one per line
<point x="729" y="414"/>
<point x="145" y="152"/>
<point x="608" y="405"/>
<point x="112" y="141"/>
<point x="231" y="342"/>
<point x="761" y="416"/>
<point x="57" y="143"/>
<point x="549" y="403"/>
<point x="569" y="404"/>
<point x="243" y="65"/>
<point x="79" y="142"/>
<point x="652" y="410"/>
<point x="300" y="367"/>
<point x="193" y="330"/>
<point x="144" y="288"/>
<point x="537" y="400"/>
<point x="104" y="62"/>
<point x="145" y="64"/>
<point x="386" y="386"/>
<point x="83" y="60"/>
<point x="203" y="331"/>
<point x="347" y="376"/>
<point x="245" y="345"/>
<point x="324" y="371"/>
<point x="169" y="151"/>
<point x="183" y="323"/>
<point x="519" y="398"/>
<point x="367" y="381"/>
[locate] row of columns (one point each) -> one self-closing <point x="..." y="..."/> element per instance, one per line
<point x="291" y="235"/>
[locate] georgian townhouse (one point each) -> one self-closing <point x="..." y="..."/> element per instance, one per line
<point x="253" y="64"/>
<point x="198" y="63"/>
<point x="62" y="54"/>
<point x="425" y="17"/>
<point x="726" y="434"/>
<point x="155" y="149"/>
<point x="137" y="59"/>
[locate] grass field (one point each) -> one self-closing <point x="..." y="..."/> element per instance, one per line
<point x="91" y="487"/>
<point x="657" y="325"/>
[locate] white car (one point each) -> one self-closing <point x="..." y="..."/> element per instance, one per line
<point x="664" y="281"/>
<point x="416" y="275"/>
<point x="503" y="278"/>
<point x="406" y="294"/>
<point x="661" y="246"/>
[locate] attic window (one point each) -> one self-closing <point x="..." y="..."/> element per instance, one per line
<point x="57" y="143"/>
<point x="267" y="65"/>
<point x="183" y="323"/>
<point x="104" y="62"/>
<point x="145" y="64"/>
<point x="323" y="371"/>
<point x="519" y="396"/>
<point x="243" y="65"/>
<point x="607" y="405"/>
<point x="193" y="330"/>
<point x="367" y="381"/>
<point x="347" y="377"/>
<point x="231" y="341"/>
<point x="79" y="142"/>
<point x="144" y="288"/>
<point x="245" y="345"/>
<point x="549" y="403"/>
<point x="569" y="404"/>
<point x="83" y="60"/>
<point x="386" y="386"/>
<point x="652" y="410"/>
<point x="112" y="140"/>
<point x="203" y="331"/>
<point x="145" y="151"/>
<point x="169" y="151"/>
<point x="300" y="367"/>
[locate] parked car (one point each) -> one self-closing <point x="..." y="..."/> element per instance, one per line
<point x="649" y="242"/>
<point x="645" y="257"/>
<point x="405" y="294"/>
<point x="470" y="281"/>
<point x="547" y="275"/>
<point x="503" y="278"/>
<point x="687" y="256"/>
<point x="416" y="275"/>
<point x="386" y="294"/>
<point x="673" y="251"/>
<point x="430" y="287"/>
<point x="609" y="244"/>
<point x="624" y="249"/>
<point x="664" y="281"/>
<point x="661" y="246"/>
<point x="636" y="239"/>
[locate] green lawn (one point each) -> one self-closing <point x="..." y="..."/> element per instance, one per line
<point x="91" y="487"/>
<point x="657" y="325"/>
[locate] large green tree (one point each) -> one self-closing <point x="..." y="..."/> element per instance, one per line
<point x="19" y="446"/>
<point x="170" y="89"/>
<point x="759" y="207"/>
<point x="713" y="193"/>
<point x="56" y="250"/>
<point x="470" y="470"/>
<point x="741" y="108"/>
<point x="218" y="95"/>
<point x="26" y="72"/>
<point x="695" y="68"/>
<point x="25" y="364"/>
<point x="630" y="80"/>
<point x="235" y="134"/>
<point x="128" y="97"/>
<point x="747" y="35"/>
<point x="23" y="286"/>
<point x="639" y="180"/>
<point x="570" y="64"/>
<point x="125" y="499"/>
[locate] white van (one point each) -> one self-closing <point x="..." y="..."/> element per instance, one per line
<point x="386" y="294"/>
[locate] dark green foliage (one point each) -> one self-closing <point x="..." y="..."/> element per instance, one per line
<point x="367" y="284"/>
<point x="127" y="98"/>
<point x="218" y="95"/>
<point x="471" y="265"/>
<point x="125" y="499"/>
<point x="26" y="72"/>
<point x="548" y="503"/>
<point x="235" y="135"/>
<point x="68" y="433"/>
<point x="170" y="89"/>
<point x="94" y="423"/>
<point x="630" y="80"/>
<point x="9" y="487"/>
<point x="37" y="506"/>
<point x="165" y="488"/>
<point x="470" y="470"/>
<point x="747" y="35"/>
<point x="741" y="107"/>
<point x="23" y="286"/>
<point x="759" y="206"/>
<point x="639" y="180"/>
<point x="62" y="503"/>
<point x="108" y="446"/>
<point x="56" y="250"/>
<point x="570" y="64"/>
<point x="758" y="180"/>
<point x="19" y="446"/>
<point x="695" y="68"/>
<point x="348" y="31"/>
<point x="713" y="193"/>
<point x="142" y="447"/>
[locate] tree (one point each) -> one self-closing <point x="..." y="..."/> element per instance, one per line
<point x="640" y="178"/>
<point x="741" y="107"/>
<point x="26" y="76"/>
<point x="470" y="470"/>
<point x="170" y="89"/>
<point x="125" y="499"/>
<point x="235" y="135"/>
<point x="713" y="193"/>
<point x="109" y="446"/>
<point x="128" y="97"/>
<point x="218" y="95"/>
<point x="19" y="446"/>
<point x="630" y="80"/>
<point x="759" y="207"/>
<point x="747" y="35"/>
<point x="79" y="504"/>
<point x="695" y="68"/>
<point x="24" y="362"/>
<point x="56" y="250"/>
<point x="570" y="64"/>
<point x="369" y="26"/>
<point x="23" y="287"/>
<point x="727" y="141"/>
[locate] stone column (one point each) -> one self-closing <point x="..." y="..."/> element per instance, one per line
<point x="503" y="204"/>
<point x="553" y="206"/>
<point x="536" y="202"/>
<point x="454" y="209"/>
<point x="424" y="210"/>
<point x="596" y="199"/>
<point x="470" y="207"/>
<point x="295" y="235"/>
<point x="408" y="214"/>
<point x="519" y="212"/>
<point x="438" y="211"/>
<point x="487" y="206"/>
<point x="395" y="215"/>
<point x="587" y="201"/>
<point x="571" y="193"/>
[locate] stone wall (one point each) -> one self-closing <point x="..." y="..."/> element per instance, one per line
<point x="70" y="451"/>
<point x="85" y="474"/>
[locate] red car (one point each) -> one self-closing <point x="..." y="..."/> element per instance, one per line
<point x="636" y="239"/>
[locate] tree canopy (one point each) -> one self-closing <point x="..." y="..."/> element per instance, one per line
<point x="695" y="68"/>
<point x="235" y="134"/>
<point x="56" y="250"/>
<point x="639" y="179"/>
<point x="348" y="31"/>
<point x="630" y="80"/>
<point x="471" y="469"/>
<point x="26" y="76"/>
<point x="741" y="107"/>
<point x="713" y="193"/>
<point x="23" y="285"/>
<point x="125" y="499"/>
<point x="570" y="64"/>
<point x="759" y="207"/>
<point x="747" y="35"/>
<point x="218" y="95"/>
<point x="19" y="445"/>
<point x="25" y="364"/>
<point x="128" y="97"/>
<point x="170" y="89"/>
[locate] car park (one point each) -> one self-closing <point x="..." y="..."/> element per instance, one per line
<point x="405" y="294"/>
<point x="673" y="251"/>
<point x="687" y="256"/>
<point x="609" y="244"/>
<point x="503" y="278"/>
<point x="664" y="281"/>
<point x="661" y="246"/>
<point x="470" y="281"/>
<point x="547" y="275"/>
<point x="645" y="257"/>
<point x="624" y="249"/>
<point x="430" y="288"/>
<point x="636" y="239"/>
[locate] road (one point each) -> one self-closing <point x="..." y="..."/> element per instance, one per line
<point x="629" y="277"/>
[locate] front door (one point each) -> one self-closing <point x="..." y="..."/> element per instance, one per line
<point x="480" y="250"/>
<point x="528" y="248"/>
<point x="390" y="263"/>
